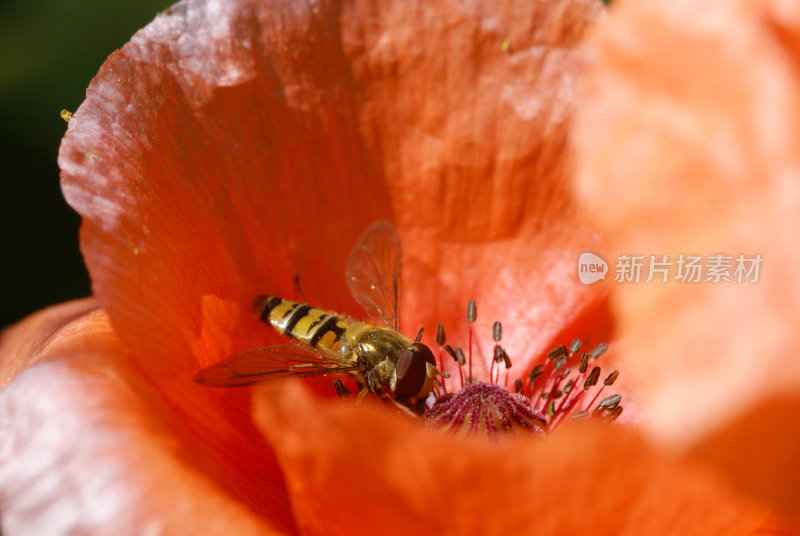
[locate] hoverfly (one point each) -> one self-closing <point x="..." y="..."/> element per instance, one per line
<point x="383" y="360"/>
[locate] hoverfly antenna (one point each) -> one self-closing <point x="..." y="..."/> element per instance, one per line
<point x="419" y="335"/>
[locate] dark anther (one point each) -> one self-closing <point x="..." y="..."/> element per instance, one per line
<point x="472" y="311"/>
<point x="498" y="353"/>
<point x="341" y="390"/>
<point x="584" y="365"/>
<point x="568" y="386"/>
<point x="591" y="380"/>
<point x="297" y="287"/>
<point x="555" y="353"/>
<point x="460" y="356"/>
<point x="536" y="372"/>
<point x="560" y="362"/>
<point x="506" y="360"/>
<point x="497" y="331"/>
<point x="612" y="414"/>
<point x="517" y="385"/>
<point x="609" y="402"/>
<point x="580" y="415"/>
<point x="439" y="334"/>
<point x="452" y="354"/>
<point x="575" y="346"/>
<point x="612" y="378"/>
<point x="599" y="350"/>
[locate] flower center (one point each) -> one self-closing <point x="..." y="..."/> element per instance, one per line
<point x="485" y="408"/>
<point x="564" y="384"/>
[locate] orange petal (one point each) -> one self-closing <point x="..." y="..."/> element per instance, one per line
<point x="27" y="342"/>
<point x="759" y="453"/>
<point x="88" y="444"/>
<point x="228" y="148"/>
<point x="689" y="143"/>
<point x="469" y="105"/>
<point x="362" y="469"/>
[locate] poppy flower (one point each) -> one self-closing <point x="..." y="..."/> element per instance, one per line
<point x="230" y="147"/>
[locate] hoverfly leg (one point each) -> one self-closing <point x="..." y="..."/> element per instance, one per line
<point x="405" y="409"/>
<point x="341" y="390"/>
<point x="362" y="394"/>
<point x="369" y="377"/>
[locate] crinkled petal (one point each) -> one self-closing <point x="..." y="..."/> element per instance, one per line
<point x="88" y="446"/>
<point x="359" y="469"/>
<point x="231" y="146"/>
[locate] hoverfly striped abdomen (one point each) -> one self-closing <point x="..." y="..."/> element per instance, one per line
<point x="301" y="322"/>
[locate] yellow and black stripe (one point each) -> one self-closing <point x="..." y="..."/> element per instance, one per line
<point x="302" y="322"/>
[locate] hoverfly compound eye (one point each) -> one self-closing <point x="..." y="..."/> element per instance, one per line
<point x="412" y="370"/>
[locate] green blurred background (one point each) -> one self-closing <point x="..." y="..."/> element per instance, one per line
<point x="49" y="51"/>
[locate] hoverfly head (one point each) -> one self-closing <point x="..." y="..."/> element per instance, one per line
<point x="416" y="370"/>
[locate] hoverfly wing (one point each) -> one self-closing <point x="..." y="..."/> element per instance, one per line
<point x="259" y="365"/>
<point x="373" y="273"/>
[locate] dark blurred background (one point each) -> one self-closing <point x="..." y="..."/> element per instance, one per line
<point x="49" y="51"/>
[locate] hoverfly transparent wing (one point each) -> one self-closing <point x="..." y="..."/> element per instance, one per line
<point x="373" y="273"/>
<point x="259" y="365"/>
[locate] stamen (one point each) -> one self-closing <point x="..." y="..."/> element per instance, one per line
<point x="556" y="353"/>
<point x="599" y="350"/>
<point x="506" y="359"/>
<point x="591" y="381"/>
<point x="561" y="383"/>
<point x="612" y="415"/>
<point x="460" y="356"/>
<point x="298" y="289"/>
<point x="472" y="312"/>
<point x="472" y="315"/>
<point x="440" y="341"/>
<point x="440" y="334"/>
<point x="536" y="372"/>
<point x="609" y="402"/>
<point x="341" y="390"/>
<point x="611" y="378"/>
<point x="497" y="331"/>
